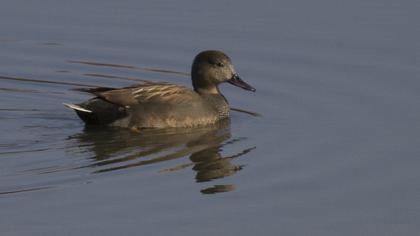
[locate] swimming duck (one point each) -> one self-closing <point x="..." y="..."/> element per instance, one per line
<point x="163" y="105"/>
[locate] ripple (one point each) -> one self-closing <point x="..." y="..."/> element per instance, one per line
<point x="23" y="190"/>
<point x="113" y="65"/>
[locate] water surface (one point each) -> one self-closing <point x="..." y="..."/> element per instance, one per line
<point x="334" y="152"/>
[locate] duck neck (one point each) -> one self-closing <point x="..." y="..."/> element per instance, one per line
<point x="202" y="87"/>
<point x="212" y="90"/>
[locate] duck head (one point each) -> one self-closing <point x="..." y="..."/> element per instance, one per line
<point x="210" y="68"/>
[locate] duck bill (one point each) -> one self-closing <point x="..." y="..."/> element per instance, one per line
<point x="237" y="81"/>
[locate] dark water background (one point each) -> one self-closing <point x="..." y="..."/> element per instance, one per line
<point x="335" y="152"/>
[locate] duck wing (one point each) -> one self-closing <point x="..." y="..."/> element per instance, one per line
<point x="144" y="93"/>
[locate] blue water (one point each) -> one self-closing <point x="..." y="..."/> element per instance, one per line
<point x="334" y="152"/>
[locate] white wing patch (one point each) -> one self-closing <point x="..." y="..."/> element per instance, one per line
<point x="76" y="107"/>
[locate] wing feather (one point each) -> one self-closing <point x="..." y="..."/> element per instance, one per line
<point x="150" y="92"/>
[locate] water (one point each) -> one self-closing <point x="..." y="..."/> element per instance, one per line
<point x="334" y="152"/>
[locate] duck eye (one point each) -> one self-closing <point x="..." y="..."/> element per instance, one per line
<point x="219" y="64"/>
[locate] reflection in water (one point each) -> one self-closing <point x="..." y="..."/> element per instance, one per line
<point x="218" y="189"/>
<point x="117" y="149"/>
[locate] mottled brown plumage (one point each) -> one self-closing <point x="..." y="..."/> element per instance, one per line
<point x="159" y="105"/>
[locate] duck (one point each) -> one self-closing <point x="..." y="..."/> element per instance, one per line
<point x="162" y="104"/>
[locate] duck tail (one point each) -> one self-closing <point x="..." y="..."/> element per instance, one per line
<point x="77" y="107"/>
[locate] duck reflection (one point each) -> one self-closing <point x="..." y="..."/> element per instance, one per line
<point x="117" y="149"/>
